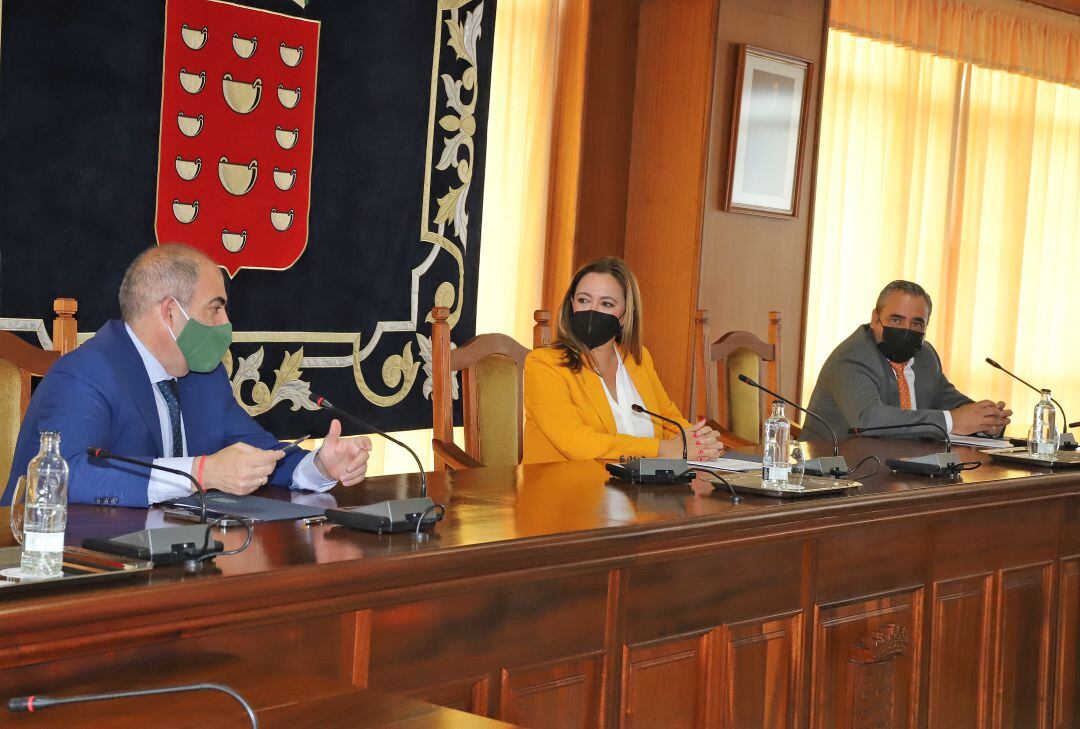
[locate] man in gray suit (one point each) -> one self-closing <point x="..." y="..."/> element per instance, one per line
<point x="885" y="374"/>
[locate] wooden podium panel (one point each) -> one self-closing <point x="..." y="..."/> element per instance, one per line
<point x="550" y="597"/>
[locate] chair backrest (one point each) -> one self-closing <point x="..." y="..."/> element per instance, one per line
<point x="737" y="407"/>
<point x="491" y="367"/>
<point x="19" y="363"/>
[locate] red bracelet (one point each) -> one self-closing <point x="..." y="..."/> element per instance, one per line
<point x="198" y="474"/>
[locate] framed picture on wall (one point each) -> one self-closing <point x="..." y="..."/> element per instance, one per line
<point x="768" y="118"/>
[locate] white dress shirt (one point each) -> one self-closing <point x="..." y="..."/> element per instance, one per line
<point x="627" y="421"/>
<point x="164" y="486"/>
<point x="909" y="373"/>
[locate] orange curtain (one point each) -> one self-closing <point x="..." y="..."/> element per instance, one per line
<point x="962" y="176"/>
<point x="1001" y="34"/>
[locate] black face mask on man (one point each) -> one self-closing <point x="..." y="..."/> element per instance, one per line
<point x="594" y="327"/>
<point x="898" y="344"/>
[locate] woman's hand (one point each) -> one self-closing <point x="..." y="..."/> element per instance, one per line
<point x="703" y="443"/>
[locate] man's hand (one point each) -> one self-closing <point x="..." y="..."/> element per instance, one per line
<point x="984" y="416"/>
<point x="343" y="460"/>
<point x="238" y="469"/>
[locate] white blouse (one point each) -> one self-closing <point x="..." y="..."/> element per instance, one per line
<point x="627" y="421"/>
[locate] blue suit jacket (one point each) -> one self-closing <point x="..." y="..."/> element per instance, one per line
<point x="100" y="395"/>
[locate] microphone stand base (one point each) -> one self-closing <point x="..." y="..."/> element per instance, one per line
<point x="834" y="466"/>
<point x="936" y="464"/>
<point x="652" y="470"/>
<point x="162" y="546"/>
<point x="388" y="517"/>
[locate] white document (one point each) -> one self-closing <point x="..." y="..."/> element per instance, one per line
<point x="979" y="442"/>
<point x="728" y="464"/>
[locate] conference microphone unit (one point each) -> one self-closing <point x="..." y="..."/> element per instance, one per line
<point x="935" y="464"/>
<point x="1068" y="440"/>
<point x="163" y="545"/>
<point x="654" y="470"/>
<point x="835" y="466"/>
<point x="395" y="515"/>
<point x="32" y="704"/>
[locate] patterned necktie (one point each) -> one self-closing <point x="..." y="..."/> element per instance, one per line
<point x="172" y="398"/>
<point x="902" y="385"/>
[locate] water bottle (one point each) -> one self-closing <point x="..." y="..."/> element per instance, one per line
<point x="45" y="513"/>
<point x="775" y="463"/>
<point x="1044" y="437"/>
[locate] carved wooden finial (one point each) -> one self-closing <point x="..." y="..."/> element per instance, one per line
<point x="440" y="313"/>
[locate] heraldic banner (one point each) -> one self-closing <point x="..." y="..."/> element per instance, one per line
<point x="329" y="158"/>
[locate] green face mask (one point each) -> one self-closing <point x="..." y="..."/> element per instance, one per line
<point x="203" y="346"/>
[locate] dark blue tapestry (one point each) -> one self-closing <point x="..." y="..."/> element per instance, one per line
<point x="396" y="184"/>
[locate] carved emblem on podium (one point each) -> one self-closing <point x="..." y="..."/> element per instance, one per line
<point x="871" y="683"/>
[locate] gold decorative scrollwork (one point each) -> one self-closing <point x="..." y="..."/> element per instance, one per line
<point x="287" y="383"/>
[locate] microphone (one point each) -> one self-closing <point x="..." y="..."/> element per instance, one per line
<point x="935" y="464"/>
<point x="164" y="545"/>
<point x="654" y="470"/>
<point x="682" y="431"/>
<point x="397" y="515"/>
<point x="34" y="703"/>
<point x="835" y="466"/>
<point x="106" y="455"/>
<point x="1068" y="441"/>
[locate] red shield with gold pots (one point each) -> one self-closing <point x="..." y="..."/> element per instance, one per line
<point x="237" y="121"/>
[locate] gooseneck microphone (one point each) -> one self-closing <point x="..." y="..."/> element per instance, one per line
<point x="835" y="466"/>
<point x="35" y="703"/>
<point x="944" y="433"/>
<point x="162" y="545"/>
<point x="325" y="404"/>
<point x="936" y="464"/>
<point x="108" y="456"/>
<point x="1068" y="442"/>
<point x="396" y="515"/>
<point x="682" y="431"/>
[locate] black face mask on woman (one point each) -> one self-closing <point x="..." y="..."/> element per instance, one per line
<point x="594" y="327"/>
<point x="898" y="344"/>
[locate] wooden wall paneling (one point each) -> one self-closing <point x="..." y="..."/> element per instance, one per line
<point x="667" y="683"/>
<point x="867" y="560"/>
<point x="566" y="150"/>
<point x="865" y="663"/>
<point x="760" y="663"/>
<point x="699" y="593"/>
<point x="1067" y="662"/>
<point x="960" y="653"/>
<point x="665" y="194"/>
<point x="751" y="265"/>
<point x="560" y="695"/>
<point x="1022" y="647"/>
<point x="606" y="130"/>
<point x="614" y="640"/>
<point x="419" y="647"/>
<point x="356" y="654"/>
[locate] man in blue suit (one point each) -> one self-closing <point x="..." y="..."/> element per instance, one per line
<point x="152" y="387"/>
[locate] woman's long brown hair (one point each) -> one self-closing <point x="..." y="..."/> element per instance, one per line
<point x="575" y="353"/>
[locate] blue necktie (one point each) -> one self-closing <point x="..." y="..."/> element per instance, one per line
<point x="172" y="398"/>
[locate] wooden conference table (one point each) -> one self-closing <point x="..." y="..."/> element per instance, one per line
<point x="551" y="598"/>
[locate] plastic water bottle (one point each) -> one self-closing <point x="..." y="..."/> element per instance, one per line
<point x="1044" y="432"/>
<point x="46" y="510"/>
<point x="776" y="464"/>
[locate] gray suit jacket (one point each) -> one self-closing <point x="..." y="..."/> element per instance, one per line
<point x="857" y="389"/>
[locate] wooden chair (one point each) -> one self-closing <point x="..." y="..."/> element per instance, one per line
<point x="491" y="367"/>
<point x="738" y="410"/>
<point x="19" y="363"/>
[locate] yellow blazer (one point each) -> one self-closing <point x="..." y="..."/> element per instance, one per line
<point x="567" y="416"/>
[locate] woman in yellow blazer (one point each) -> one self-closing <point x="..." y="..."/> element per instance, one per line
<point x="579" y="391"/>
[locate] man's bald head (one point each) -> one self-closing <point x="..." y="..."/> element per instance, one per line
<point x="170" y="270"/>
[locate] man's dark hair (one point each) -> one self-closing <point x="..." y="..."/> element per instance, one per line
<point x="908" y="287"/>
